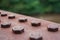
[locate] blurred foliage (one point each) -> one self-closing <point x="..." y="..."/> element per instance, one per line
<point x="31" y="7"/>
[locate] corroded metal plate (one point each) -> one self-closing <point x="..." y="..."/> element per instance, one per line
<point x="7" y="34"/>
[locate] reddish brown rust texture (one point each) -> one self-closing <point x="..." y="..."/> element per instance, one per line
<point x="7" y="34"/>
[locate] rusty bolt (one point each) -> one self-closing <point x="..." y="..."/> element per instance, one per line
<point x="18" y="29"/>
<point x="5" y="25"/>
<point x="35" y="36"/>
<point x="22" y="19"/>
<point x="11" y="16"/>
<point x="3" y="14"/>
<point x="0" y="12"/>
<point x="52" y="27"/>
<point x="34" y="23"/>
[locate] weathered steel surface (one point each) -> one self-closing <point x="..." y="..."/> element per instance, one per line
<point x="7" y="34"/>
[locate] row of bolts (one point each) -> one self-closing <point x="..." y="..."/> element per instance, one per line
<point x="20" y="29"/>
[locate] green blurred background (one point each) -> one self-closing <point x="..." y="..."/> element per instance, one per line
<point x="31" y="7"/>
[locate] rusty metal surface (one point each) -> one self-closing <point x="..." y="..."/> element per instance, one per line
<point x="7" y="34"/>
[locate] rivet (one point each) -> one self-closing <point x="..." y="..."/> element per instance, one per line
<point x="0" y="12"/>
<point x="11" y="16"/>
<point x="22" y="19"/>
<point x="33" y="23"/>
<point x="5" y="25"/>
<point x="52" y="27"/>
<point x="4" y="14"/>
<point x="18" y="29"/>
<point x="35" y="36"/>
